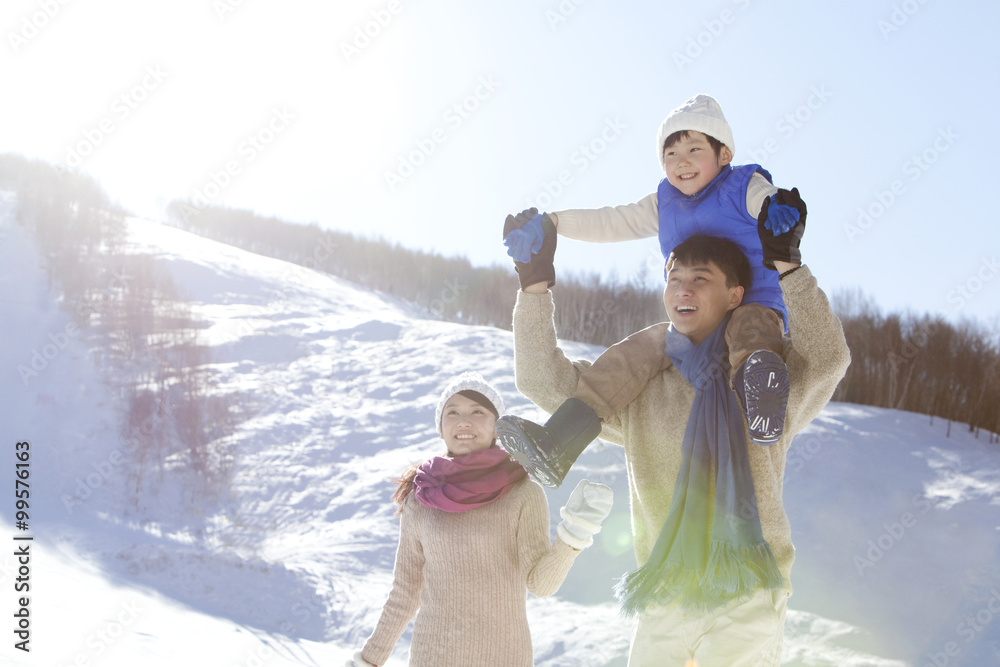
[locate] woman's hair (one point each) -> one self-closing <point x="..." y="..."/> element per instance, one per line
<point x="405" y="482"/>
<point x="405" y="487"/>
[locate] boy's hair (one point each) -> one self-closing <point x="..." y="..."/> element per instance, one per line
<point x="683" y="134"/>
<point x="702" y="248"/>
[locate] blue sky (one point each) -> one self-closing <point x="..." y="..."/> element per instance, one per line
<point x="426" y="122"/>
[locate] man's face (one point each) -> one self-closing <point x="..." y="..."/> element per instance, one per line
<point x="691" y="164"/>
<point x="697" y="299"/>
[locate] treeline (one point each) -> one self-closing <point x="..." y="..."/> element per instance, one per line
<point x="142" y="333"/>
<point x="909" y="362"/>
<point x="450" y="288"/>
<point x="920" y="363"/>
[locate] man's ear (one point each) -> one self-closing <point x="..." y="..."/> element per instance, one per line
<point x="725" y="155"/>
<point x="735" y="297"/>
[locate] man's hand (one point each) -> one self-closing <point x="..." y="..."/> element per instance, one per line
<point x="782" y="246"/>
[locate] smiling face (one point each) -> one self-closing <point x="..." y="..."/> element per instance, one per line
<point x="466" y="426"/>
<point x="691" y="163"/>
<point x="697" y="298"/>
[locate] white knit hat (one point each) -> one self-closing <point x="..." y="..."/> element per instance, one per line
<point x="702" y="114"/>
<point x="468" y="381"/>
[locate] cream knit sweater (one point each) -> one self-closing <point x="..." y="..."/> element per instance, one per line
<point x="639" y="220"/>
<point x="467" y="573"/>
<point x="651" y="428"/>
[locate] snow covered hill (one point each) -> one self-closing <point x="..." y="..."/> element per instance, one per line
<point x="896" y="525"/>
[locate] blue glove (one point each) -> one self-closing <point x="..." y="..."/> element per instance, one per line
<point x="527" y="241"/>
<point x="780" y="217"/>
<point x="787" y="248"/>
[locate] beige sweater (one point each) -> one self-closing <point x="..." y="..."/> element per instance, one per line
<point x="468" y="573"/>
<point x="651" y="428"/>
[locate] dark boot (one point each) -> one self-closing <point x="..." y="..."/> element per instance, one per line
<point x="762" y="386"/>
<point x="547" y="452"/>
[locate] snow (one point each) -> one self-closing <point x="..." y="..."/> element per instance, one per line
<point x="895" y="524"/>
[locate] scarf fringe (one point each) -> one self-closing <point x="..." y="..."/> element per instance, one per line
<point x="733" y="573"/>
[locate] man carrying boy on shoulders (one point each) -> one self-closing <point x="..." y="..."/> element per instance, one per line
<point x="710" y="531"/>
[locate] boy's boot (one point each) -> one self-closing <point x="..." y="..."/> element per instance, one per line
<point x="547" y="452"/>
<point x="762" y="387"/>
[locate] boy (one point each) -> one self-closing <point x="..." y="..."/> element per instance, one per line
<point x="701" y="193"/>
<point x="710" y="532"/>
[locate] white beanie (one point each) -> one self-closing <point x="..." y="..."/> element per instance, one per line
<point x="468" y="381"/>
<point x="702" y="114"/>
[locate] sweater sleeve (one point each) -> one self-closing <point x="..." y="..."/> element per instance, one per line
<point x="817" y="356"/>
<point x="404" y="598"/>
<point x="541" y="370"/>
<point x="547" y="562"/>
<point x="758" y="190"/>
<point x="611" y="223"/>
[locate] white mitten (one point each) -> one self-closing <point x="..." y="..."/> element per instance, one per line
<point x="358" y="661"/>
<point x="587" y="507"/>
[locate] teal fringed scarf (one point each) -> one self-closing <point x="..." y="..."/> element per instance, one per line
<point x="711" y="549"/>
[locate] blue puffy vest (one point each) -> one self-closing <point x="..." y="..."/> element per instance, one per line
<point x="721" y="210"/>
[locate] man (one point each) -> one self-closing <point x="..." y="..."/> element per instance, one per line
<point x="710" y="532"/>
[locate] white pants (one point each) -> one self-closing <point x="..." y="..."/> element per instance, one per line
<point x="744" y="634"/>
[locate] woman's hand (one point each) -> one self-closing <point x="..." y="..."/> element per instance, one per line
<point x="587" y="507"/>
<point x="358" y="661"/>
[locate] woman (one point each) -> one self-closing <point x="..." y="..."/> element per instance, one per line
<point x="473" y="538"/>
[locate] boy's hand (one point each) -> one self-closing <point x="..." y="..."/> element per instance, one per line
<point x="782" y="211"/>
<point x="523" y="234"/>
<point x="537" y="246"/>
<point x="782" y="246"/>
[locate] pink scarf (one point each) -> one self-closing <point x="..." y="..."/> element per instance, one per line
<point x="466" y="482"/>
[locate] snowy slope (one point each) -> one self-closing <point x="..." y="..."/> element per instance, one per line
<point x="895" y="525"/>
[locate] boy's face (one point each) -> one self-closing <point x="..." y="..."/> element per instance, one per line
<point x="697" y="299"/>
<point x="691" y="164"/>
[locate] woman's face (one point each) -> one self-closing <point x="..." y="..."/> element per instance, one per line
<point x="466" y="426"/>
